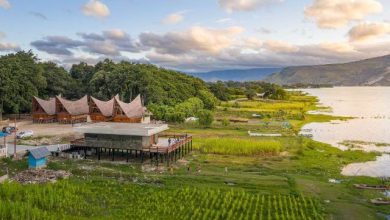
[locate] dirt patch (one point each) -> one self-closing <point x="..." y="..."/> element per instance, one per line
<point x="40" y="176"/>
<point x="50" y="129"/>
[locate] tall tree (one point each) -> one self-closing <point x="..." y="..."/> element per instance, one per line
<point x="20" y="79"/>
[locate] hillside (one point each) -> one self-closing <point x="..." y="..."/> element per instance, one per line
<point x="374" y="72"/>
<point x="236" y="74"/>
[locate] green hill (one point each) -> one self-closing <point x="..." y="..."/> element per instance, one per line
<point x="374" y="72"/>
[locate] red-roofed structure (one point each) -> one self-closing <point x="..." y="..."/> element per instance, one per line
<point x="69" y="112"/>
<point x="43" y="111"/>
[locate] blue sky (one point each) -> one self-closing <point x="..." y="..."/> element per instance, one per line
<point x="198" y="35"/>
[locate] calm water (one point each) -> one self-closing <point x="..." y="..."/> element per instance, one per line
<point x="369" y="131"/>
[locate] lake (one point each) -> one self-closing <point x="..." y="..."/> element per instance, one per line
<point x="368" y="131"/>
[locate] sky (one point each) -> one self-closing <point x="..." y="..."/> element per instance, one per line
<point x="197" y="36"/>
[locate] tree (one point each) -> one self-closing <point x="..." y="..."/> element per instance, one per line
<point x="250" y="93"/>
<point x="58" y="80"/>
<point x="20" y="79"/>
<point x="208" y="98"/>
<point x="220" y="90"/>
<point x="206" y="117"/>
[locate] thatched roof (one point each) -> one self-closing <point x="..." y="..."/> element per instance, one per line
<point x="133" y="109"/>
<point x="78" y="107"/>
<point x="49" y="106"/>
<point x="106" y="108"/>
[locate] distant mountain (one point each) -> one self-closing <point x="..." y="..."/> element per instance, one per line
<point x="374" y="72"/>
<point x="237" y="75"/>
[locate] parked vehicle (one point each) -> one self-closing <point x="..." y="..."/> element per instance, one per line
<point x="24" y="134"/>
<point x="9" y="129"/>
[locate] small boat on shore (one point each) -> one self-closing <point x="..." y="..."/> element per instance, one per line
<point x="380" y="201"/>
<point x="374" y="187"/>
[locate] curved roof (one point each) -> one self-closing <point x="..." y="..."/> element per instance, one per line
<point x="106" y="108"/>
<point x="132" y="109"/>
<point x="49" y="106"/>
<point x="78" y="107"/>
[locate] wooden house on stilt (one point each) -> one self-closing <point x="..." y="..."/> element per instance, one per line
<point x="133" y="112"/>
<point x="43" y="111"/>
<point x="101" y="111"/>
<point x="69" y="112"/>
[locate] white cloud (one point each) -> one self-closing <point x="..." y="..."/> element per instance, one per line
<point x="173" y="18"/>
<point x="9" y="47"/>
<point x="195" y="39"/>
<point x="224" y="20"/>
<point x="5" y="4"/>
<point x="280" y="46"/>
<point x="338" y="13"/>
<point x="243" y="5"/>
<point x="95" y="8"/>
<point x="337" y="47"/>
<point x="367" y="31"/>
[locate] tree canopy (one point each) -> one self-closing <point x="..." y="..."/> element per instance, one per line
<point x="23" y="76"/>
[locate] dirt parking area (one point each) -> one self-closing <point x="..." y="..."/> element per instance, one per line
<point x="52" y="133"/>
<point x="53" y="129"/>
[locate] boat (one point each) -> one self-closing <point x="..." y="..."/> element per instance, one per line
<point x="380" y="201"/>
<point x="375" y="187"/>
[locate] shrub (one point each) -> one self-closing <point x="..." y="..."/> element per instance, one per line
<point x="206" y="117"/>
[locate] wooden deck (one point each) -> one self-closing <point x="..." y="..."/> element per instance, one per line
<point x="163" y="145"/>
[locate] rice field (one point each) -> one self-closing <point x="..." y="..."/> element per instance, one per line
<point x="98" y="199"/>
<point x="238" y="146"/>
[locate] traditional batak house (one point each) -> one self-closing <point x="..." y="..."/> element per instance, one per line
<point x="133" y="112"/>
<point x="43" y="111"/>
<point x="69" y="112"/>
<point x="101" y="111"/>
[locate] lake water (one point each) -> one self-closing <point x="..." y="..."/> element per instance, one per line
<point x="368" y="131"/>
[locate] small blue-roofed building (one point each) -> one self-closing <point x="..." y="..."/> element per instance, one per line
<point x="37" y="157"/>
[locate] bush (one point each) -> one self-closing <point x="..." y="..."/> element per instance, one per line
<point x="208" y="98"/>
<point x="225" y="122"/>
<point x="206" y="117"/>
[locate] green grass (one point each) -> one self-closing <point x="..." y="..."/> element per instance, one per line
<point x="299" y="170"/>
<point x="238" y="146"/>
<point x="114" y="200"/>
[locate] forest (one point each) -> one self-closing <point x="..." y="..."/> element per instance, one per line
<point x="170" y="95"/>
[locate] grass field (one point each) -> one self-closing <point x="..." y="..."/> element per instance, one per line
<point x="231" y="176"/>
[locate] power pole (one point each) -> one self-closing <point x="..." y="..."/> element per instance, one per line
<point x="15" y="138"/>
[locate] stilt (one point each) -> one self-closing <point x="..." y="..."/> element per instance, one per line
<point x="142" y="157"/>
<point x="127" y="156"/>
<point x="98" y="152"/>
<point x="113" y="152"/>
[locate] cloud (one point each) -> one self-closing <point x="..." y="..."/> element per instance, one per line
<point x="9" y="47"/>
<point x="280" y="46"/>
<point x="5" y="4"/>
<point x="338" y="13"/>
<point x="203" y="48"/>
<point x="173" y="18"/>
<point x="195" y="39"/>
<point x="264" y="30"/>
<point x="337" y="47"/>
<point x="243" y="5"/>
<point x="95" y="8"/>
<point x="367" y="31"/>
<point x="224" y="20"/>
<point x="38" y="15"/>
<point x="109" y="43"/>
<point x="58" y="45"/>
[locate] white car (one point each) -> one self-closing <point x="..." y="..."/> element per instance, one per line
<point x="25" y="134"/>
